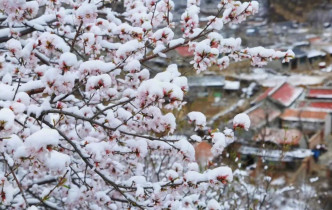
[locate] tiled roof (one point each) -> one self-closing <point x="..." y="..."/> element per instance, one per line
<point x="284" y="94"/>
<point x="303" y="115"/>
<point x="280" y="136"/>
<point x="319" y="105"/>
<point x="323" y="93"/>
<point x="322" y="105"/>
<point x="260" y="113"/>
<point x="263" y="96"/>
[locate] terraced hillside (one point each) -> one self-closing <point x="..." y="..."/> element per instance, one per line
<point x="301" y="10"/>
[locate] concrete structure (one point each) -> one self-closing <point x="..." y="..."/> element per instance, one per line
<point x="202" y="86"/>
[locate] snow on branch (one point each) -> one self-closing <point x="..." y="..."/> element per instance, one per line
<point x="83" y="124"/>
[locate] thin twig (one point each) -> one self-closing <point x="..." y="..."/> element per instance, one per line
<point x="16" y="180"/>
<point x="76" y="36"/>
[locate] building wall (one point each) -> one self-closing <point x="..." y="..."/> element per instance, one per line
<point x="306" y="126"/>
<point x="328" y="125"/>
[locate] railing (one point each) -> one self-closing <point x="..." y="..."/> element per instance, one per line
<point x="317" y="138"/>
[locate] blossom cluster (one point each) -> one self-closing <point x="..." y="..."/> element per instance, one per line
<point x="85" y="123"/>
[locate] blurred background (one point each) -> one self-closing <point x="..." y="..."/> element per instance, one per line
<point x="289" y="104"/>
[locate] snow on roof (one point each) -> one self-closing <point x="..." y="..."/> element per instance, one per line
<point x="276" y="155"/>
<point x="253" y="76"/>
<point x="284" y="94"/>
<point x="327" y="49"/>
<point x="303" y="115"/>
<point x="298" y="79"/>
<point x="206" y="81"/>
<point x="280" y="136"/>
<point x="259" y="114"/>
<point x="269" y="80"/>
<point x="315" y="39"/>
<point x="322" y="93"/>
<point x="315" y="53"/>
<point x="232" y="85"/>
<point x="301" y="43"/>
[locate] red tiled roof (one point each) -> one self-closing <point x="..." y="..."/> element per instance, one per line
<point x="259" y="115"/>
<point x="183" y="51"/>
<point x="319" y="105"/>
<point x="320" y="93"/>
<point x="303" y="115"/>
<point x="280" y="136"/>
<point x="315" y="39"/>
<point x="263" y="95"/>
<point x="284" y="94"/>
